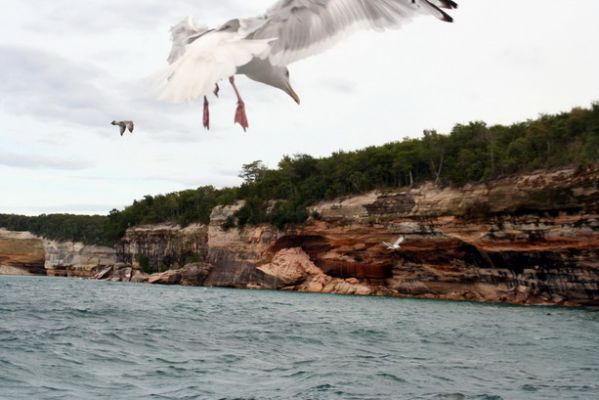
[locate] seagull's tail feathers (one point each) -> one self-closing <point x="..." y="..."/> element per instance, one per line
<point x="214" y="57"/>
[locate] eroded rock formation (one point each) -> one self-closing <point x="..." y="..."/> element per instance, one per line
<point x="76" y="259"/>
<point x="163" y="246"/>
<point x="21" y="253"/>
<point x="530" y="239"/>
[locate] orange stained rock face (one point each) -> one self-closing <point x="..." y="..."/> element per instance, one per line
<point x="21" y="253"/>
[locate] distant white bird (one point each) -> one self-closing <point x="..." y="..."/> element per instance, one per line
<point x="262" y="47"/>
<point x="124" y="125"/>
<point x="395" y="245"/>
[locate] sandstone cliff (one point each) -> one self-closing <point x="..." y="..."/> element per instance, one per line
<point x="22" y="253"/>
<point x="528" y="239"/>
<point x="531" y="239"/>
<point x="74" y="259"/>
<point x="163" y="246"/>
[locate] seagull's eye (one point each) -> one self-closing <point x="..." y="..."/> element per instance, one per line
<point x="287" y="73"/>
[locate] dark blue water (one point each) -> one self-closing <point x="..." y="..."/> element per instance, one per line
<point x="72" y="339"/>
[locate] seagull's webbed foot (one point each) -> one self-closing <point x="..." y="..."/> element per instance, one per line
<point x="240" y="116"/>
<point x="206" y="114"/>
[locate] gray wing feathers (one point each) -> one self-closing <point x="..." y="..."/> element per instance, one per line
<point x="124" y="126"/>
<point x="306" y="27"/>
<point x="182" y="34"/>
<point x="449" y="4"/>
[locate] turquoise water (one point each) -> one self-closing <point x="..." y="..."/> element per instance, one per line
<point x="73" y="339"/>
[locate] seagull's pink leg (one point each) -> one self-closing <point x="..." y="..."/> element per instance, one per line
<point x="206" y="114"/>
<point x="240" y="115"/>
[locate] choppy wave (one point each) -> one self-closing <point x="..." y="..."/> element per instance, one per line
<point x="73" y="339"/>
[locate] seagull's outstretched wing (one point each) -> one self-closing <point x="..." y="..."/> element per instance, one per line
<point x="307" y="27"/>
<point x="388" y="245"/>
<point x="183" y="34"/>
<point x="130" y="126"/>
<point x="123" y="127"/>
<point x="399" y="241"/>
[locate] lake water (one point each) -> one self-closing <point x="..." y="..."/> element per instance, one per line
<point x="74" y="339"/>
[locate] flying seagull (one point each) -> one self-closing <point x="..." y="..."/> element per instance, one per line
<point x="261" y="48"/>
<point x="124" y="125"/>
<point x="395" y="245"/>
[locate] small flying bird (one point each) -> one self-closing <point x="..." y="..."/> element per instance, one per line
<point x="261" y="48"/>
<point x="395" y="245"/>
<point x="124" y="125"/>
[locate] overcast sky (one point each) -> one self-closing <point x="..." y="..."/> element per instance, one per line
<point x="69" y="67"/>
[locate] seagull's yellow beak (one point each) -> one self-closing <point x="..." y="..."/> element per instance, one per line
<point x="293" y="95"/>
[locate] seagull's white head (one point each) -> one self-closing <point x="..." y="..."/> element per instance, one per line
<point x="288" y="89"/>
<point x="281" y="80"/>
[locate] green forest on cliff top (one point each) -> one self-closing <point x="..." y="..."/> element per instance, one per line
<point x="469" y="153"/>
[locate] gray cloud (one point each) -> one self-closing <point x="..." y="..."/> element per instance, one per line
<point x="32" y="161"/>
<point x="48" y="86"/>
<point x="59" y="16"/>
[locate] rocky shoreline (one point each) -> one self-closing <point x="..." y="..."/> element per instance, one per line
<point x="528" y="239"/>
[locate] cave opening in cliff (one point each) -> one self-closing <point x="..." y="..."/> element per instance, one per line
<point x="313" y="245"/>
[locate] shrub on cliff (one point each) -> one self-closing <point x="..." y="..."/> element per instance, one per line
<point x="144" y="264"/>
<point x="229" y="223"/>
<point x="62" y="227"/>
<point x="287" y="213"/>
